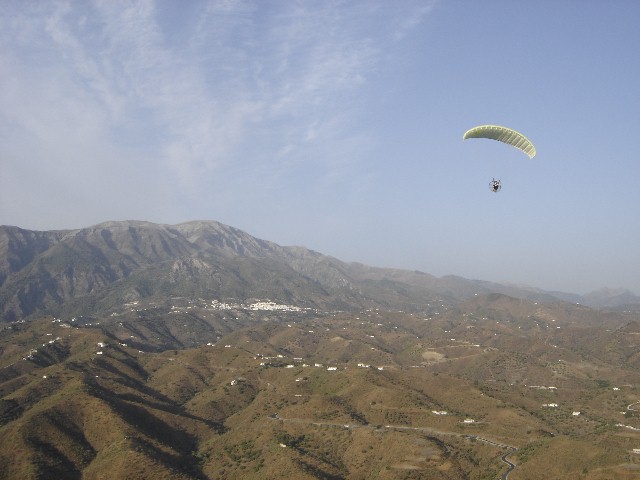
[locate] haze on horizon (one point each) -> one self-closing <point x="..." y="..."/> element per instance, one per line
<point x="337" y="126"/>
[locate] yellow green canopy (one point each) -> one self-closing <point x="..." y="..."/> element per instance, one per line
<point x="502" y="134"/>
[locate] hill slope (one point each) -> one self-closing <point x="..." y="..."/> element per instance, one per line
<point x="96" y="270"/>
<point x="289" y="394"/>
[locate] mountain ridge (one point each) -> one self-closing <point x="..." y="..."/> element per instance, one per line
<point x="83" y="270"/>
<point x="196" y="351"/>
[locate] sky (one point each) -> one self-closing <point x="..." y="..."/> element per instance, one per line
<point x="336" y="125"/>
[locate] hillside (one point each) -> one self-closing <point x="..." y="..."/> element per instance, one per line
<point x="96" y="270"/>
<point x="265" y="390"/>
<point x="196" y="351"/>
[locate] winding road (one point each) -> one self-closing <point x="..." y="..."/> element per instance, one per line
<point x="511" y="466"/>
<point x="631" y="405"/>
<point x="510" y="449"/>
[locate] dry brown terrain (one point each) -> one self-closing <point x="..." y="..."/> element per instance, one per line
<point x="370" y="395"/>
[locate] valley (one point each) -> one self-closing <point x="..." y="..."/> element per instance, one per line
<point x="259" y="390"/>
<point x="196" y="351"/>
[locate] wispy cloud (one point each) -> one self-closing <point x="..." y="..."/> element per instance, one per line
<point x="111" y="89"/>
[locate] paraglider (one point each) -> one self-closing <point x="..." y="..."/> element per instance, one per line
<point x="504" y="135"/>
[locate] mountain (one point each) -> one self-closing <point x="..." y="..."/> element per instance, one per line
<point x="619" y="298"/>
<point x="97" y="270"/>
<point x="196" y="351"/>
<point x="287" y="394"/>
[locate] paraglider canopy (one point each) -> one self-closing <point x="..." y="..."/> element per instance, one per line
<point x="504" y="135"/>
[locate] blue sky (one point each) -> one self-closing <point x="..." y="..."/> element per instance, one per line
<point x="336" y="125"/>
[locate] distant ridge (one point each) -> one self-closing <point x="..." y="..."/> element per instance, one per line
<point x="95" y="270"/>
<point x="196" y="351"/>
